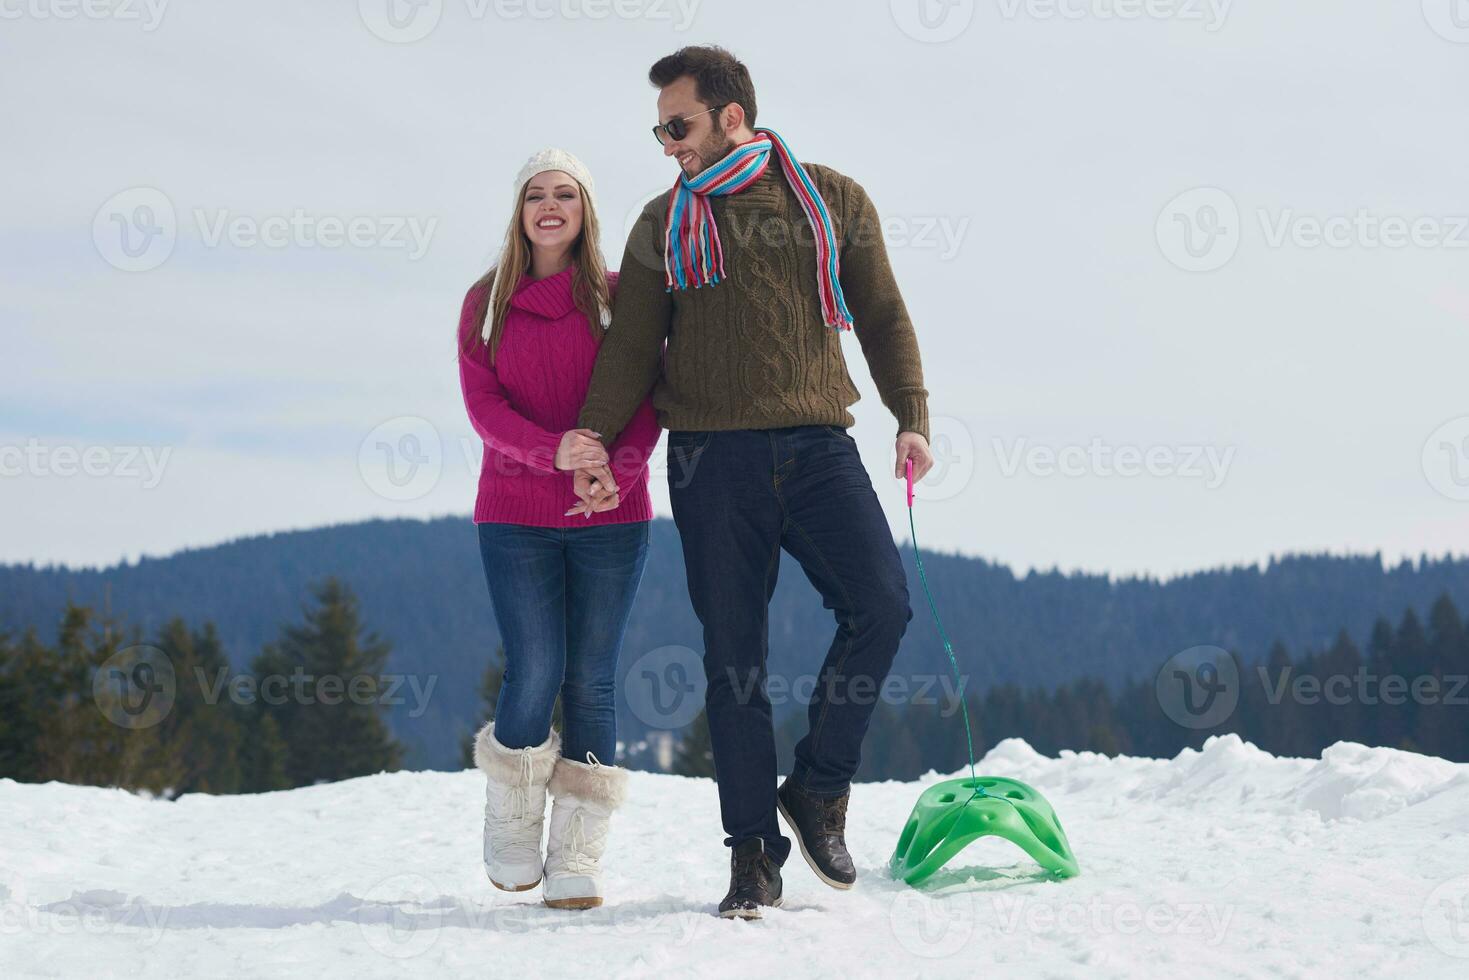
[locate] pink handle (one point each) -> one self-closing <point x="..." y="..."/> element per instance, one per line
<point x="909" y="467"/>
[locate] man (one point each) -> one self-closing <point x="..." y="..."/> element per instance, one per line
<point x="751" y="270"/>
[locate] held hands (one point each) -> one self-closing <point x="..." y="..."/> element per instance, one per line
<point x="580" y="448"/>
<point x="596" y="490"/>
<point x="911" y="444"/>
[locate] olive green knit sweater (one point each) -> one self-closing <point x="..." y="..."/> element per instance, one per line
<point x="751" y="351"/>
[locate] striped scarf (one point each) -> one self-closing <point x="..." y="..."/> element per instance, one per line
<point x="694" y="252"/>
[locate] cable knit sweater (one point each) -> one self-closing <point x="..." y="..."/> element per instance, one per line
<point x="752" y="351"/>
<point x="524" y="403"/>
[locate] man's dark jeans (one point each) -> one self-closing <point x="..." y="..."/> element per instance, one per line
<point x="738" y="498"/>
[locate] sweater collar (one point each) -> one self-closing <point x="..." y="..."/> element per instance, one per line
<point x="550" y="297"/>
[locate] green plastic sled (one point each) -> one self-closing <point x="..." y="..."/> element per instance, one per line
<point x="951" y="814"/>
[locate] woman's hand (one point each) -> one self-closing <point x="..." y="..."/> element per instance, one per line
<point x="586" y="509"/>
<point x="597" y="491"/>
<point x="580" y="448"/>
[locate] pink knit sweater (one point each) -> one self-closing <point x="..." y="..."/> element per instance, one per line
<point x="532" y="395"/>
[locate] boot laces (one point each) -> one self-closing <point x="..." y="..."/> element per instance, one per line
<point x="518" y="799"/>
<point x="831" y="815"/>
<point x="520" y="837"/>
<point x="579" y="859"/>
<point x="747" y="875"/>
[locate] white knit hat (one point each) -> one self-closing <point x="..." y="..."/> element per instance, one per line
<point x="554" y="158"/>
<point x="551" y="158"/>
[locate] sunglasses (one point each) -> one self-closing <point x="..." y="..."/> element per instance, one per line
<point x="675" y="128"/>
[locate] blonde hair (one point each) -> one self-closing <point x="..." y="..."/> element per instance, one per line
<point x="589" y="283"/>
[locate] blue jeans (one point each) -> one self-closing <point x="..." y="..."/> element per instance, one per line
<point x="562" y="597"/>
<point x="738" y="498"/>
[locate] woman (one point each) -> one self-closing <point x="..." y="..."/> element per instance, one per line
<point x="561" y="579"/>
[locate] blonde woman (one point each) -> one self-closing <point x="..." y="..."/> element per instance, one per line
<point x="562" y="571"/>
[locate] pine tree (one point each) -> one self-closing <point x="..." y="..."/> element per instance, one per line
<point x="14" y="750"/>
<point x="489" y="694"/>
<point x="694" y="754"/>
<point x="325" y="677"/>
<point x="202" y="739"/>
<point x="1384" y="724"/>
<point x="1410" y="660"/>
<point x="1282" y="727"/>
<point x="263" y="754"/>
<point x="1434" y="729"/>
<point x="1342" y="707"/>
<point x="100" y="728"/>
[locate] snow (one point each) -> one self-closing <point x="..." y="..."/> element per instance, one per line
<point x="1220" y="862"/>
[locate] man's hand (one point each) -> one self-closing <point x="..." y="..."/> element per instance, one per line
<point x="579" y="448"/>
<point x="596" y="490"/>
<point x="914" y="446"/>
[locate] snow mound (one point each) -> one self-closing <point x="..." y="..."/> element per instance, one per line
<point x="1349" y="782"/>
<point x="1221" y="861"/>
<point x="1356" y="782"/>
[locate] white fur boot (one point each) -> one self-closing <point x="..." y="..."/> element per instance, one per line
<point x="515" y="807"/>
<point x="584" y="795"/>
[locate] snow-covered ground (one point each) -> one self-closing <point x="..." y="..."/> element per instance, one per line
<point x="1225" y="862"/>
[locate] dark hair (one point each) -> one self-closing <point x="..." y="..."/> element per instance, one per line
<point x="718" y="76"/>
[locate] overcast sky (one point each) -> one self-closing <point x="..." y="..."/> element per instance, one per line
<point x="1190" y="278"/>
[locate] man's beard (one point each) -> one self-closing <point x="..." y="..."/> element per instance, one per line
<point x="715" y="148"/>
